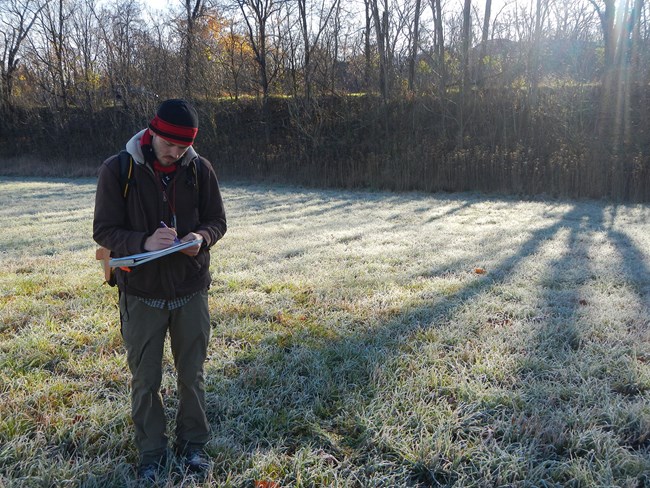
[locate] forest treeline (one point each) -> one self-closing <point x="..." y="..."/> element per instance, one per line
<point x="547" y="97"/>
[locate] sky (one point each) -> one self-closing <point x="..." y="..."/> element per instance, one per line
<point x="158" y="4"/>
<point x="496" y="4"/>
<point x="478" y="5"/>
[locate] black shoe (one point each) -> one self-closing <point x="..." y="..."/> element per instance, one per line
<point x="196" y="461"/>
<point x="148" y="471"/>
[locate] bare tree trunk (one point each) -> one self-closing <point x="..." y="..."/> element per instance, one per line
<point x="60" y="53"/>
<point x="465" y="82"/>
<point x="627" y="59"/>
<point x="381" y="27"/>
<point x="367" y="53"/>
<point x="306" y="34"/>
<point x="302" y="10"/>
<point x="540" y="13"/>
<point x="466" y="41"/>
<point x="635" y="23"/>
<point x="414" y="48"/>
<point x="619" y="51"/>
<point x="256" y="15"/>
<point x="335" y="54"/>
<point x="485" y="33"/>
<point x="387" y="58"/>
<point x="608" y="82"/>
<point x="193" y="11"/>
<point x="436" y="7"/>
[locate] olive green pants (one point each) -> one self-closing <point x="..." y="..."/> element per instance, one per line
<point x="144" y="329"/>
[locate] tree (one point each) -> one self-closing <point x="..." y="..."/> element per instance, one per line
<point x="439" y="43"/>
<point x="194" y="10"/>
<point x="257" y="15"/>
<point x="85" y="41"/>
<point x="541" y="10"/>
<point x="485" y="32"/>
<point x="618" y="28"/>
<point x="466" y="41"/>
<point x="17" y="17"/>
<point x="415" y="44"/>
<point x="52" y="51"/>
<point x="311" y="39"/>
<point x="607" y="15"/>
<point x="367" y="53"/>
<point x="380" y="20"/>
<point x="120" y="32"/>
<point x="232" y="54"/>
<point x="156" y="52"/>
<point x="634" y="24"/>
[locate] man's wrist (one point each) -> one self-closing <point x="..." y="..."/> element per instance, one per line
<point x="204" y="242"/>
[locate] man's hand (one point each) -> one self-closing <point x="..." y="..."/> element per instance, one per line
<point x="192" y="250"/>
<point x="161" y="239"/>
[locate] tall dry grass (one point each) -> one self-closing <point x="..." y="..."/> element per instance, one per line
<point x="490" y="140"/>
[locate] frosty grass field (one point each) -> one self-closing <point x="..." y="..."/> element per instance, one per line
<point x="359" y="339"/>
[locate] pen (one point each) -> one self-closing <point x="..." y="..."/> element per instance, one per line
<point x="163" y="224"/>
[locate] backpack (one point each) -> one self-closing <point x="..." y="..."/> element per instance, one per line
<point x="126" y="182"/>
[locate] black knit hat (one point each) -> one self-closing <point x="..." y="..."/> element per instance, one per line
<point x="176" y="121"/>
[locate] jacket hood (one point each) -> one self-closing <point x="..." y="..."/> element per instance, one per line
<point x="135" y="150"/>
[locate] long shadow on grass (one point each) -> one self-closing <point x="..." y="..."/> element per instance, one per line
<point x="580" y="395"/>
<point x="459" y="208"/>
<point x="632" y="258"/>
<point x="274" y="406"/>
<point x="298" y="391"/>
<point x="549" y="381"/>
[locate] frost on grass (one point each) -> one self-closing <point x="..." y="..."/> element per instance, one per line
<point x="359" y="339"/>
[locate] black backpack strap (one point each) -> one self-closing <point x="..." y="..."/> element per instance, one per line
<point x="194" y="178"/>
<point x="126" y="172"/>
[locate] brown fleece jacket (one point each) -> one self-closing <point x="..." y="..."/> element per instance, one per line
<point x="122" y="225"/>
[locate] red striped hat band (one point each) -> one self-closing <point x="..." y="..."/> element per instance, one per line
<point x="176" y="134"/>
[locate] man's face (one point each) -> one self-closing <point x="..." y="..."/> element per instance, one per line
<point x="167" y="153"/>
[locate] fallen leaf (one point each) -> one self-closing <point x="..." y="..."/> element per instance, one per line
<point x="499" y="321"/>
<point x="479" y="271"/>
<point x="266" y="484"/>
<point x="328" y="458"/>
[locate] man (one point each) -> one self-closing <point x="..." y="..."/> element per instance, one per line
<point x="173" y="193"/>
